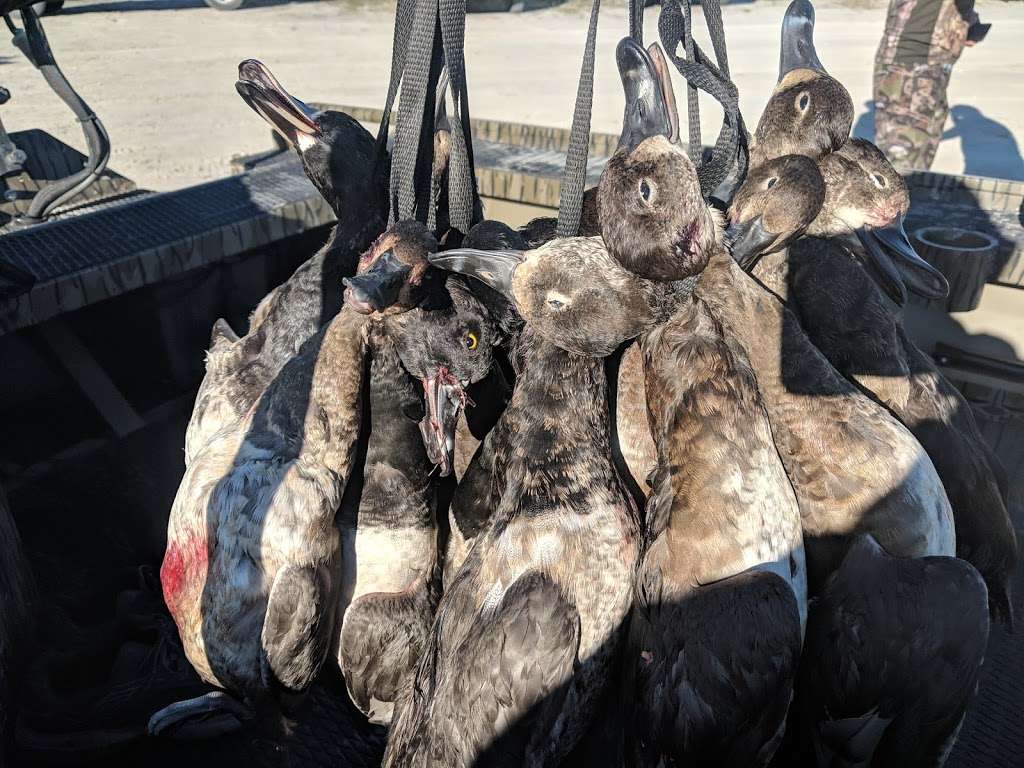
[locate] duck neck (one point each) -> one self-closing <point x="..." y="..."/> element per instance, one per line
<point x="561" y="428"/>
<point x="333" y="416"/>
<point x="772" y="271"/>
<point x="396" y="476"/>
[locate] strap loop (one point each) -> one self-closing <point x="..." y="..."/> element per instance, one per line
<point x="570" y="204"/>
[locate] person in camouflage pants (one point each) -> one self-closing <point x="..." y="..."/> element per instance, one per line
<point x="921" y="42"/>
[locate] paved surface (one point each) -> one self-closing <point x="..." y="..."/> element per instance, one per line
<point x="160" y="73"/>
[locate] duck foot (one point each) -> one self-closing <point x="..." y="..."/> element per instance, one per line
<point x="204" y="717"/>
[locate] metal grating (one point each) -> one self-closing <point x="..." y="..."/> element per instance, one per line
<point x="116" y="247"/>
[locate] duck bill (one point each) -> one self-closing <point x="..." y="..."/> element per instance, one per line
<point x="445" y="398"/>
<point x="750" y="241"/>
<point x="288" y="116"/>
<point x="650" y="99"/>
<point x="798" y="50"/>
<point x="878" y="264"/>
<point x="494" y="269"/>
<point x="378" y="287"/>
<point x="918" y="275"/>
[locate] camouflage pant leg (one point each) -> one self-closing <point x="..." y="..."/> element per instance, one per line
<point x="910" y="112"/>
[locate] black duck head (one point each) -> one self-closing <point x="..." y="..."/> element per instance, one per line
<point x="776" y="203"/>
<point x="653" y="217"/>
<point x="810" y="112"/>
<point x="337" y="153"/>
<point x="393" y="275"/>
<point x="866" y="200"/>
<point x="447" y="348"/>
<point x="570" y="291"/>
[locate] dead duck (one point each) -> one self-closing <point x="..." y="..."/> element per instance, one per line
<point x="250" y="574"/>
<point x="810" y="112"/>
<point x="724" y="555"/>
<point x="724" y="559"/>
<point x="481" y="445"/>
<point x="891" y="660"/>
<point x="858" y="699"/>
<point x="856" y="472"/>
<point x="526" y="634"/>
<point x="846" y="283"/>
<point x="390" y="566"/>
<point x="342" y="160"/>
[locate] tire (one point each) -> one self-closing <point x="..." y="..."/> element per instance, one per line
<point x="225" y="5"/>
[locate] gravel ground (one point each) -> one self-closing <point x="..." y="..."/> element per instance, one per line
<point x="160" y="73"/>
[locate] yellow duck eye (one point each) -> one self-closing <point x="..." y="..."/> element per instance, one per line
<point x="470" y="340"/>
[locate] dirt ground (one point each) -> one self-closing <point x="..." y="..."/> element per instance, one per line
<point x="160" y="73"/>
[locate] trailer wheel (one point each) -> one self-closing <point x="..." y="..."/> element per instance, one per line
<point x="225" y="5"/>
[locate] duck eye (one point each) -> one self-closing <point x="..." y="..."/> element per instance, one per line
<point x="880" y="181"/>
<point x="803" y="101"/>
<point x="470" y="340"/>
<point x="645" y="191"/>
<point x="556" y="300"/>
<point x="771" y="182"/>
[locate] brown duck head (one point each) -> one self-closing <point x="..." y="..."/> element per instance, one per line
<point x="776" y="203"/>
<point x="865" y="202"/>
<point x="393" y="275"/>
<point x="570" y="291"/>
<point x="653" y="218"/>
<point x="810" y="112"/>
<point x="447" y="347"/>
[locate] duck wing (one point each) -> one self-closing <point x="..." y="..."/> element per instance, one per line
<point x="711" y="673"/>
<point x="497" y="696"/>
<point x="296" y="630"/>
<point x="892" y="655"/>
<point x="382" y="639"/>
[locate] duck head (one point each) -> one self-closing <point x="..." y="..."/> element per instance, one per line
<point x="393" y="275"/>
<point x="332" y="146"/>
<point x="570" y="291"/>
<point x="810" y="112"/>
<point x="865" y="202"/>
<point x="776" y="203"/>
<point x="447" y="348"/>
<point x="653" y="217"/>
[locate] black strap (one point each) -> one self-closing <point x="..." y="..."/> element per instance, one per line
<point x="461" y="179"/>
<point x="674" y="26"/>
<point x="570" y="203"/>
<point x="636" y="20"/>
<point x="428" y="35"/>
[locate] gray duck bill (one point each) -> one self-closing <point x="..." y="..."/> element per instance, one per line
<point x="918" y="275"/>
<point x="798" y="50"/>
<point x="650" y="101"/>
<point x="879" y="265"/>
<point x="267" y="97"/>
<point x="750" y="241"/>
<point x="494" y="269"/>
<point x="378" y="288"/>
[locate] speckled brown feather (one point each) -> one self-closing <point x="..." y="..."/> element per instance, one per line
<point x="854" y="467"/>
<point x="564" y="523"/>
<point x="722" y="592"/>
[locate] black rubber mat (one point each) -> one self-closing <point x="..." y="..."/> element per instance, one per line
<point x="993" y="731"/>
